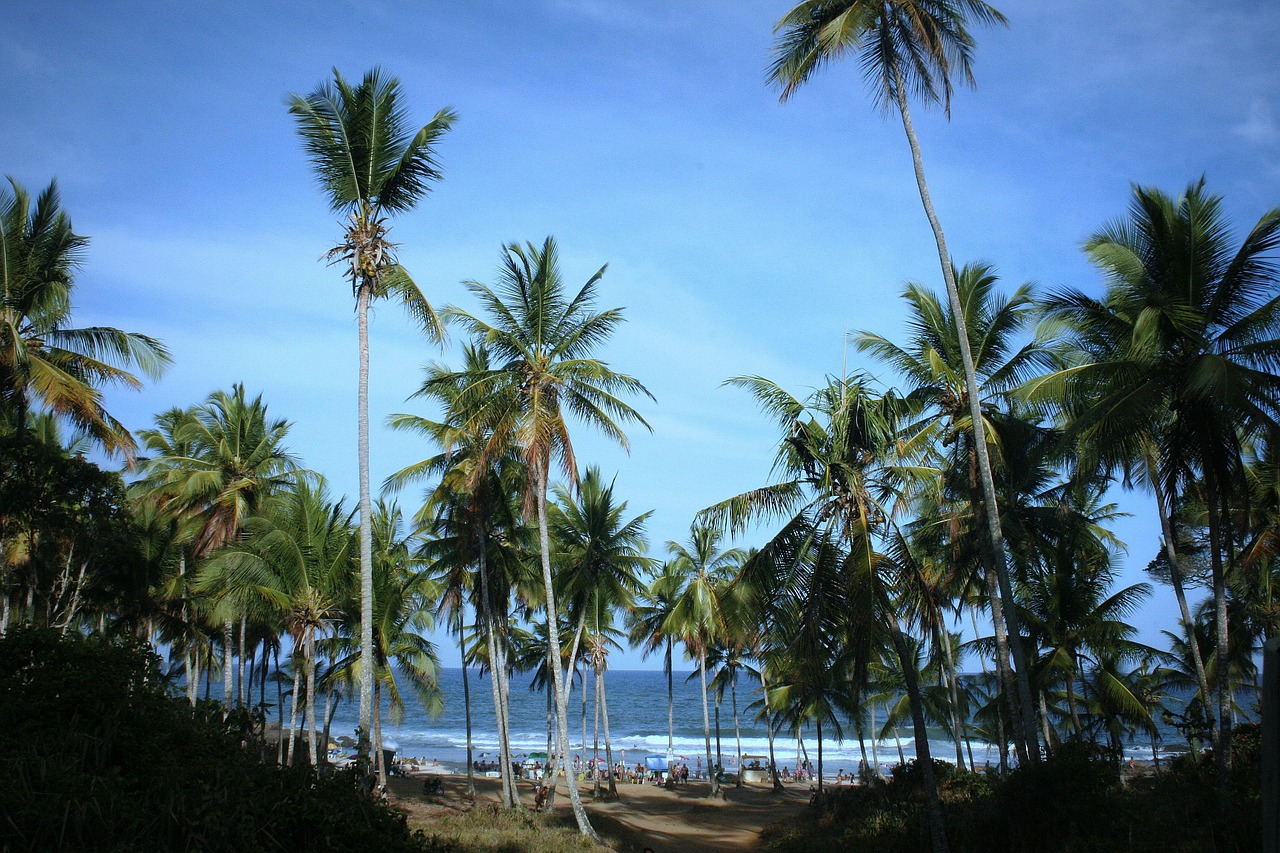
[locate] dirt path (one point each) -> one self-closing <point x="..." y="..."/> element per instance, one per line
<point x="679" y="821"/>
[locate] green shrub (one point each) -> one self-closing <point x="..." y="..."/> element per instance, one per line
<point x="97" y="756"/>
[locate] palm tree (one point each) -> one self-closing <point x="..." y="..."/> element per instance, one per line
<point x="45" y="364"/>
<point x="839" y="482"/>
<point x="542" y="339"/>
<point x="909" y="47"/>
<point x="695" y="614"/>
<point x="601" y="558"/>
<point x="648" y="619"/>
<point x="472" y="517"/>
<point x="932" y="363"/>
<point x="1174" y="370"/>
<point x="219" y="461"/>
<point x="296" y="559"/>
<point x="371" y="165"/>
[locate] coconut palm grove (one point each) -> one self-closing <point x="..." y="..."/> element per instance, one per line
<point x="1028" y="527"/>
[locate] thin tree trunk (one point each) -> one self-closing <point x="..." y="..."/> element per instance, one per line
<point x="706" y="725"/>
<point x="379" y="750"/>
<point x="561" y="695"/>
<point x="228" y="673"/>
<point x="1222" y="753"/>
<point x="768" y="720"/>
<point x="497" y="672"/>
<point x="956" y="727"/>
<point x="1179" y="591"/>
<point x="979" y="431"/>
<point x="363" y="294"/>
<point x="608" y="744"/>
<point x="595" y="751"/>
<point x="466" y="704"/>
<point x="924" y="760"/>
<point x="875" y="737"/>
<point x="309" y="662"/>
<point x="737" y="731"/>
<point x="293" y="710"/>
<point x="240" y="691"/>
<point x="671" y="703"/>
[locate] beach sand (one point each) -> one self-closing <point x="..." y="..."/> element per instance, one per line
<point x="682" y="820"/>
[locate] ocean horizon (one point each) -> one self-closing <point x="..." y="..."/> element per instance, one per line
<point x="637" y="701"/>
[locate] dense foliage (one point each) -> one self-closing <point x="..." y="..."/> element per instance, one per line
<point x="98" y="756"/>
<point x="1074" y="802"/>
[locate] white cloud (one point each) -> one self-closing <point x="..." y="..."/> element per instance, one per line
<point x="1260" y="126"/>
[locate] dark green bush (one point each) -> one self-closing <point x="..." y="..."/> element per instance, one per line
<point x="97" y="756"/>
<point x="1073" y="802"/>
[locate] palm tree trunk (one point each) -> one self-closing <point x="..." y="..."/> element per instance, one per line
<point x="240" y="691"/>
<point x="706" y="725"/>
<point x="466" y="705"/>
<point x="608" y="744"/>
<point x="293" y="710"/>
<point x="956" y="727"/>
<point x="768" y="720"/>
<point x="595" y="752"/>
<point x="671" y="703"/>
<point x="228" y="673"/>
<point x="937" y="828"/>
<point x="561" y="695"/>
<point x="497" y="673"/>
<point x="979" y="431"/>
<point x="1179" y="591"/>
<point x="363" y="294"/>
<point x="378" y="750"/>
<point x="1222" y="753"/>
<point x="737" y="732"/>
<point x="818" y="726"/>
<point x="875" y="737"/>
<point x="310" y="663"/>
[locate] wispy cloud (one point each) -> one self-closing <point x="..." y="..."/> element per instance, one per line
<point x="1260" y="126"/>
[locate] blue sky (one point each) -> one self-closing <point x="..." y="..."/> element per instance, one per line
<point x="742" y="236"/>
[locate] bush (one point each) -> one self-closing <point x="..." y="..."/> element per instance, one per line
<point x="97" y="756"/>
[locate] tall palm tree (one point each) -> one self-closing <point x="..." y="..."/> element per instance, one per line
<point x="45" y="363"/>
<point x="371" y="164"/>
<point x="909" y="48"/>
<point x="1174" y="370"/>
<point x="695" y="614"/>
<point x="543" y="338"/>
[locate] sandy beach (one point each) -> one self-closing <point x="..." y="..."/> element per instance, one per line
<point x="643" y="815"/>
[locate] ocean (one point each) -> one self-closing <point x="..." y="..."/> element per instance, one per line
<point x="638" y="726"/>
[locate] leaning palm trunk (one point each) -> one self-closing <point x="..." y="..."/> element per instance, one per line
<point x="558" y="675"/>
<point x="377" y="736"/>
<point x="979" y="432"/>
<point x="363" y="294"/>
